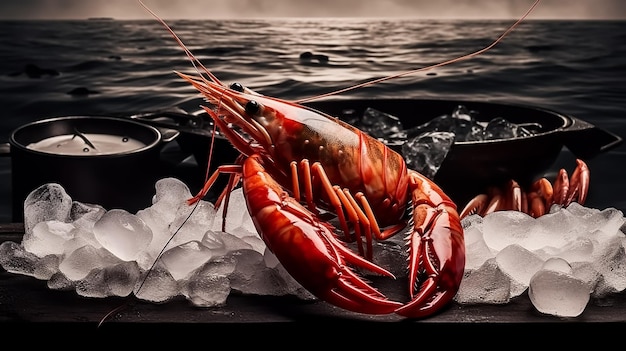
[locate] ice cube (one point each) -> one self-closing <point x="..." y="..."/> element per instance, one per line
<point x="520" y="265"/>
<point x="248" y="237"/>
<point x="82" y="260"/>
<point x="381" y="125"/>
<point x="586" y="272"/>
<point x="238" y="221"/>
<point x="504" y="228"/>
<point x="15" y="259"/>
<point x="604" y="224"/>
<point x="185" y="258"/>
<point x="251" y="275"/>
<point x="426" y="152"/>
<point x="501" y="128"/>
<point x="222" y="243"/>
<point x="46" y="267"/>
<point x="557" y="264"/>
<point x="476" y="250"/>
<point x="122" y="233"/>
<point x="558" y="293"/>
<point x="122" y="278"/>
<point x="236" y="214"/>
<point x="579" y="250"/>
<point x="442" y="123"/>
<point x="171" y="194"/>
<point x="188" y="224"/>
<point x="47" y="202"/>
<point x="84" y="216"/>
<point x="58" y="281"/>
<point x="611" y="264"/>
<point x="113" y="280"/>
<point x="558" y="229"/>
<point x="581" y="211"/>
<point x="157" y="285"/>
<point x="247" y="223"/>
<point x="191" y="222"/>
<point x="485" y="285"/>
<point x="213" y="240"/>
<point x="473" y="220"/>
<point x="271" y="261"/>
<point x="169" y="201"/>
<point x="463" y="122"/>
<point x="82" y="237"/>
<point x="48" y="237"/>
<point x="160" y="236"/>
<point x="211" y="290"/>
<point x="93" y="284"/>
<point x="608" y="221"/>
<point x="209" y="286"/>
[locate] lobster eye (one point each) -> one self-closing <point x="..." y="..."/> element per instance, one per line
<point x="252" y="107"/>
<point x="237" y="87"/>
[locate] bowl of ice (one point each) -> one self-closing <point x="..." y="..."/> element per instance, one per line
<point x="466" y="146"/>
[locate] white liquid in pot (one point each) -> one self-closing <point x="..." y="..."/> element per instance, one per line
<point x="71" y="144"/>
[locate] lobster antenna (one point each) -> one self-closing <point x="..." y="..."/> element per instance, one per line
<point x="194" y="61"/>
<point x="143" y="281"/>
<point x="444" y="63"/>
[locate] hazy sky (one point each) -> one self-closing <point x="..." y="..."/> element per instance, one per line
<point x="194" y="9"/>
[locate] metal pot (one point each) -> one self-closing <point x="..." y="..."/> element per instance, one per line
<point x="471" y="166"/>
<point x="114" y="178"/>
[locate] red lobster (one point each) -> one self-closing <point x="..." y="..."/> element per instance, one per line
<point x="296" y="161"/>
<point x="340" y="168"/>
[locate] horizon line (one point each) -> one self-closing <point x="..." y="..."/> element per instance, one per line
<point x="107" y="18"/>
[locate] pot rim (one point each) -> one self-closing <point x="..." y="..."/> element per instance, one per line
<point x="563" y="123"/>
<point x="158" y="136"/>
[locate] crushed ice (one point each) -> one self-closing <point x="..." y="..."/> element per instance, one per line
<point x="425" y="146"/>
<point x="100" y="253"/>
<point x="561" y="260"/>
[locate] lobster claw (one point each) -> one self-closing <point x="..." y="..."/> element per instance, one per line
<point x="348" y="290"/>
<point x="308" y="248"/>
<point x="436" y="250"/>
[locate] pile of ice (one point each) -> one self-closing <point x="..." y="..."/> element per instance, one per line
<point x="100" y="253"/>
<point x="562" y="259"/>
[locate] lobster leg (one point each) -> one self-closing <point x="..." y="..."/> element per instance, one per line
<point x="579" y="184"/>
<point x="510" y="197"/>
<point x="343" y="203"/>
<point x="436" y="249"/>
<point x="308" y="248"/>
<point x="540" y="197"/>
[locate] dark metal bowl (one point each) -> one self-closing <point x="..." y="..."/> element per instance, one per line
<point x="472" y="166"/>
